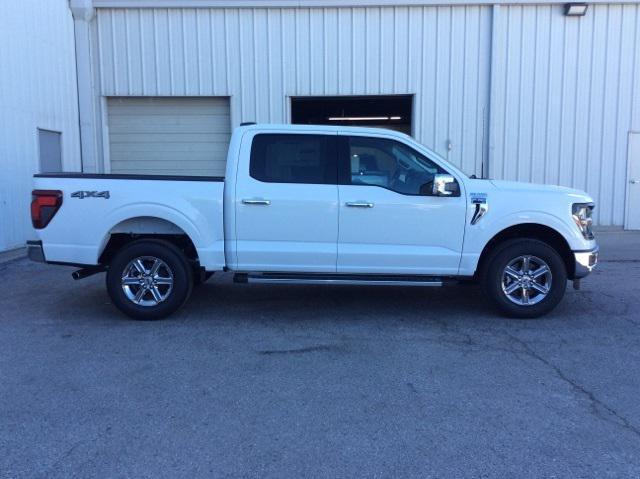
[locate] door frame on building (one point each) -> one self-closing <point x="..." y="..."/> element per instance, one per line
<point x="104" y="103"/>
<point x="410" y="95"/>
<point x="633" y="135"/>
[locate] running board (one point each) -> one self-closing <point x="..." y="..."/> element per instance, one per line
<point x="337" y="279"/>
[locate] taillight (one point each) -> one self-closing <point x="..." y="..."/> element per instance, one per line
<point x="44" y="205"/>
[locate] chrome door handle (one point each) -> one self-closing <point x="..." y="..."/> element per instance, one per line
<point x="634" y="182"/>
<point x="359" y="204"/>
<point x="255" y="201"/>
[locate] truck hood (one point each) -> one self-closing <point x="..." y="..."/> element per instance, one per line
<point x="519" y="187"/>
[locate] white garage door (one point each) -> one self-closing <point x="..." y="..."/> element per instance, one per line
<point x="169" y="136"/>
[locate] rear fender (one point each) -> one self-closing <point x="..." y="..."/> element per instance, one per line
<point x="209" y="246"/>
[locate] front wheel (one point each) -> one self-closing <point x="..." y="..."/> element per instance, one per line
<point x="149" y="279"/>
<point x="525" y="278"/>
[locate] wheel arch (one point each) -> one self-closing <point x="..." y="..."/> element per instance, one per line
<point x="141" y="227"/>
<point x="537" y="231"/>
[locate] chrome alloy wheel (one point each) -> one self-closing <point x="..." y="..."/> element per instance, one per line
<point x="526" y="280"/>
<point x="147" y="281"/>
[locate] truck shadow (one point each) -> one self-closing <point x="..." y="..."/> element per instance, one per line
<point x="302" y="303"/>
<point x="50" y="293"/>
<point x="464" y="303"/>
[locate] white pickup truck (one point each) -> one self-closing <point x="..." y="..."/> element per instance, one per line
<point x="316" y="205"/>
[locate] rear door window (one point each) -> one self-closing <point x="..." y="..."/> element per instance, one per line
<point x="293" y="158"/>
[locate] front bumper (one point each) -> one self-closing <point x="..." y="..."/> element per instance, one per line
<point x="585" y="261"/>
<point x="35" y="251"/>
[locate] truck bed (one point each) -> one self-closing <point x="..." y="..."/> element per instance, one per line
<point x="99" y="205"/>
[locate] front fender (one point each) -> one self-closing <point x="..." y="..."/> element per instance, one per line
<point x="565" y="227"/>
<point x="478" y="236"/>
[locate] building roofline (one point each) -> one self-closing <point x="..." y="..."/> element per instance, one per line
<point x="324" y="3"/>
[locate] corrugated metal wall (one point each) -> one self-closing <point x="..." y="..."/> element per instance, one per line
<point x="553" y="102"/>
<point x="260" y="57"/>
<point x="37" y="90"/>
<point x="568" y="99"/>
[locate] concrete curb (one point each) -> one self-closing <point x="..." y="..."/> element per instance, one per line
<point x="13" y="255"/>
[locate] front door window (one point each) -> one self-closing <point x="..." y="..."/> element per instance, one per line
<point x="390" y="164"/>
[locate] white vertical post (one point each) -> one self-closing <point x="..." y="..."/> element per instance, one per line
<point x="496" y="90"/>
<point x="83" y="14"/>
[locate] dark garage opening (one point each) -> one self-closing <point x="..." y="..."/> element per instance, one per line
<point x="380" y="111"/>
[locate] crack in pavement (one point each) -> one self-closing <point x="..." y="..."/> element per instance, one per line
<point x="595" y="402"/>
<point x="54" y="467"/>
<point x="311" y="349"/>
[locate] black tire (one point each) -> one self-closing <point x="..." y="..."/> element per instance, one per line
<point x="175" y="266"/>
<point x="494" y="274"/>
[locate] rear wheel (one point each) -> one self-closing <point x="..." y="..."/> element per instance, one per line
<point x="149" y="279"/>
<point x="525" y="278"/>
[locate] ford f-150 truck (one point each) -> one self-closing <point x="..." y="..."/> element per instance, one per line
<point x="316" y="205"/>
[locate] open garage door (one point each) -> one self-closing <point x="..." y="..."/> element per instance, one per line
<point x="376" y="111"/>
<point x="169" y="136"/>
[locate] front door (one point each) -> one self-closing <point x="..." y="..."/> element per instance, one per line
<point x="633" y="187"/>
<point x="389" y="222"/>
<point x="286" y="204"/>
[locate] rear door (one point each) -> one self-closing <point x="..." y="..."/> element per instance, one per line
<point x="286" y="202"/>
<point x="389" y="222"/>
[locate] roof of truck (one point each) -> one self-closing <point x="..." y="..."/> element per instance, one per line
<point x="334" y="128"/>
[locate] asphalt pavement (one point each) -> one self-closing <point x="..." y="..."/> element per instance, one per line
<point x="298" y="381"/>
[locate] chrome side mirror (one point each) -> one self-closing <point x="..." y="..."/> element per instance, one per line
<point x="445" y="185"/>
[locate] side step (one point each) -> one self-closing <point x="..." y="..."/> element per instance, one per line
<point x="346" y="279"/>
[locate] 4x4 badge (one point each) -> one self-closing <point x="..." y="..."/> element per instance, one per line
<point x="90" y="194"/>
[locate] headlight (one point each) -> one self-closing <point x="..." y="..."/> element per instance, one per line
<point x="582" y="213"/>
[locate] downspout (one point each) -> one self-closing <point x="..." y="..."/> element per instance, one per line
<point x="496" y="76"/>
<point x="83" y="13"/>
